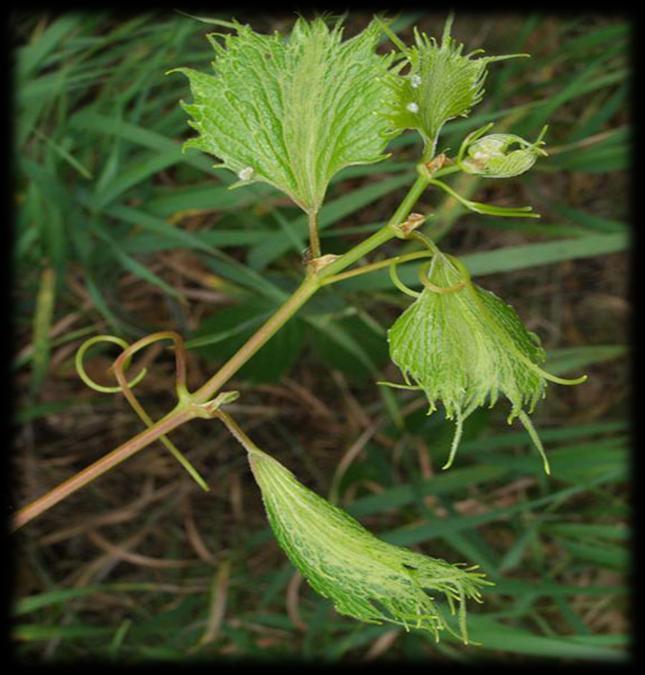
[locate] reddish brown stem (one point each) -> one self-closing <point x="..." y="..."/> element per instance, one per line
<point x="99" y="467"/>
<point x="186" y="412"/>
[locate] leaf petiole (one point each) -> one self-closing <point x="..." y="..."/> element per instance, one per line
<point x="375" y="266"/>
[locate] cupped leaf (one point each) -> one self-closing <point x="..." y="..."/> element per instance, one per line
<point x="463" y="346"/>
<point x="442" y="83"/>
<point x="292" y="111"/>
<point x="365" y="577"/>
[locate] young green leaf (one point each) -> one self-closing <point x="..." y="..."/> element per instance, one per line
<point x="292" y="111"/>
<point x="365" y="577"/>
<point x="442" y="83"/>
<point x="464" y="346"/>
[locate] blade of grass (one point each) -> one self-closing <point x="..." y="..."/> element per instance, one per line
<point x="504" y="260"/>
<point x="43" y="316"/>
<point x="135" y="267"/>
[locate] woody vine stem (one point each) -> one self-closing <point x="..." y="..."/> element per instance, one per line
<point x="201" y="403"/>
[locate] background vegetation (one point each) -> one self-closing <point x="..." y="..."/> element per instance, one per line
<point x="117" y="231"/>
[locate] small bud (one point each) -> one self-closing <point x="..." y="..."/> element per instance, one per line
<point x="492" y="157"/>
<point x="415" y="81"/>
<point x="412" y="107"/>
<point x="319" y="263"/>
<point x="365" y="577"/>
<point x="411" y="223"/>
<point x="437" y="163"/>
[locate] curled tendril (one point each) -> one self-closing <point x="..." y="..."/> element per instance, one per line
<point x="129" y="351"/>
<point x="423" y="277"/>
<point x="394" y="276"/>
<point x="423" y="270"/>
<point x="122" y="362"/>
<point x="82" y="373"/>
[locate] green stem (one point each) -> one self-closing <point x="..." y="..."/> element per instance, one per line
<point x="236" y="431"/>
<point x="446" y="171"/>
<point x="394" y="278"/>
<point x="314" y="239"/>
<point x="373" y="267"/>
<point x="300" y="296"/>
<point x="126" y="390"/>
<point x="486" y="209"/>
<point x="427" y="242"/>
<point x="189" y="408"/>
<point x="381" y="236"/>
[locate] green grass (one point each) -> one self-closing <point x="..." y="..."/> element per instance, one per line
<point x="106" y="201"/>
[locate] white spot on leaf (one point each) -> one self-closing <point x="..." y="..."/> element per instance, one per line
<point x="246" y="173"/>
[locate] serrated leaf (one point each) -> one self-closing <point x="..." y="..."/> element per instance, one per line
<point x="442" y="83"/>
<point x="444" y="342"/>
<point x="463" y="346"/>
<point x="294" y="111"/>
<point x="365" y="577"/>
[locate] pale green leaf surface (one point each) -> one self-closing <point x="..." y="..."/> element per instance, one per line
<point x="292" y="112"/>
<point x="365" y="577"/>
<point x="443" y="83"/>
<point x="463" y="346"/>
<point x="446" y="344"/>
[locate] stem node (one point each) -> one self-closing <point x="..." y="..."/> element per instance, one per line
<point x="404" y="230"/>
<point x="210" y="409"/>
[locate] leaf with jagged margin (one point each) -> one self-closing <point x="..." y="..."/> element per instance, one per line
<point x="442" y="83"/>
<point x="293" y="111"/>
<point x="365" y="577"/>
<point x="448" y="344"/>
<point x="463" y="346"/>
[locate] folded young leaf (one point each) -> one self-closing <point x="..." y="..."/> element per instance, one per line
<point x="292" y="111"/>
<point x="442" y="83"/>
<point x="364" y="577"/>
